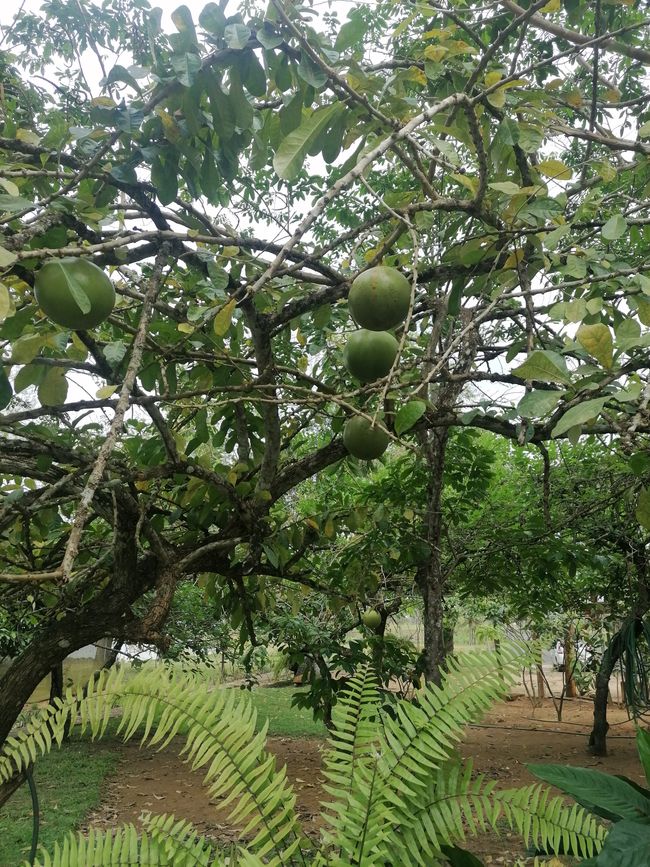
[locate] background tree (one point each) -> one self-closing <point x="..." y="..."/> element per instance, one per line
<point x="233" y="175"/>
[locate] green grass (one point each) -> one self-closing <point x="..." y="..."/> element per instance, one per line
<point x="274" y="704"/>
<point x="68" y="782"/>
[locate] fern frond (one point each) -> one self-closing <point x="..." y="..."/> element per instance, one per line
<point x="220" y="736"/>
<point x="546" y="822"/>
<point x="126" y="847"/>
<point x="455" y="805"/>
<point x="422" y="736"/>
<point x="350" y="766"/>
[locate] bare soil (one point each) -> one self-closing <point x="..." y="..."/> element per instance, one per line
<point x="512" y="734"/>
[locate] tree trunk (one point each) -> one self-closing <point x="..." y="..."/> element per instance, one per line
<point x="107" y="614"/>
<point x="430" y="577"/>
<point x="614" y="651"/>
<point x="541" y="686"/>
<point x="56" y="682"/>
<point x="570" y="661"/>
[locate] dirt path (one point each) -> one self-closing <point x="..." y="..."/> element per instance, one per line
<point x="162" y="783"/>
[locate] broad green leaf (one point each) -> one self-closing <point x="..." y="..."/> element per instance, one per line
<point x="537" y="404"/>
<point x="241" y="108"/>
<point x="608" y="796"/>
<point x="597" y="340"/>
<point x="30" y="374"/>
<point x="351" y="32"/>
<point x="237" y="36"/>
<point x="267" y="37"/>
<point x="643" y="508"/>
<point x="212" y="19"/>
<point x="408" y="415"/>
<point x="165" y="180"/>
<point x="14" y="203"/>
<point x="7" y="258"/>
<point x="614" y="228"/>
<point x="643" y="310"/>
<point x="224" y="317"/>
<point x="115" y="351"/>
<point x="458" y="857"/>
<point x="579" y="415"/>
<point x="186" y="67"/>
<point x="182" y="18"/>
<point x="643" y="746"/>
<point x="555" y="169"/>
<point x="26" y="348"/>
<point x="54" y="388"/>
<point x="311" y="73"/>
<point x="626" y="845"/>
<point x="506" y="187"/>
<point x="544" y="365"/>
<point x="291" y="154"/>
<point x="219" y="277"/>
<point x="5" y="389"/>
<point x="644" y="130"/>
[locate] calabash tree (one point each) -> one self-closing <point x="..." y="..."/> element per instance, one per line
<point x="233" y="173"/>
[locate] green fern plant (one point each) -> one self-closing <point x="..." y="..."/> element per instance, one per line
<point x="397" y="792"/>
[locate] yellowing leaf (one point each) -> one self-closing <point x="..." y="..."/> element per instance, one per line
<point x="224" y="317"/>
<point x="597" y="340"/>
<point x="555" y="169"/>
<point x="329" y="529"/>
<point x="229" y="252"/>
<point x="106" y="391"/>
<point x="552" y="6"/>
<point x="54" y="388"/>
<point x="643" y="508"/>
<point x="514" y="259"/>
<point x="643" y="310"/>
<point x="5" y="302"/>
<point x="574" y="98"/>
<point x="435" y="52"/>
<point x="492" y="78"/>
<point x="185" y="328"/>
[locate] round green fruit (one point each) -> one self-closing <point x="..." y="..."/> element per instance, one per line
<point x="363" y="440"/>
<point x="74" y="293"/>
<point x="371" y="619"/>
<point x="379" y="298"/>
<point x="368" y="355"/>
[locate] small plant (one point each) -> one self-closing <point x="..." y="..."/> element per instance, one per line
<point x="615" y="798"/>
<point x="398" y="794"/>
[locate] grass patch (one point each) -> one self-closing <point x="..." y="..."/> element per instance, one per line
<point x="68" y="782"/>
<point x="274" y="704"/>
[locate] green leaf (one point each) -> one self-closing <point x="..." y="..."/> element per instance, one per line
<point x="237" y="36"/>
<point x="182" y="18"/>
<point x="164" y="177"/>
<point x="7" y="258"/>
<point x="643" y="508"/>
<point x="212" y="19"/>
<point x="351" y="32"/>
<point x="614" y="228"/>
<point x="603" y="794"/>
<point x="458" y="857"/>
<point x="114" y="352"/>
<point x="241" y="107"/>
<point x="597" y="340"/>
<point x="408" y="415"/>
<point x="506" y="187"/>
<point x="54" y="388"/>
<point x="253" y="75"/>
<point x="537" y="404"/>
<point x="544" y="365"/>
<point x="14" y="203"/>
<point x="555" y="169"/>
<point x="5" y="389"/>
<point x="186" y="67"/>
<point x="267" y="37"/>
<point x="643" y="744"/>
<point x="643" y="310"/>
<point x="291" y="154"/>
<point x="579" y="415"/>
<point x="30" y="374"/>
<point x="26" y="348"/>
<point x="626" y="845"/>
<point x="311" y="72"/>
